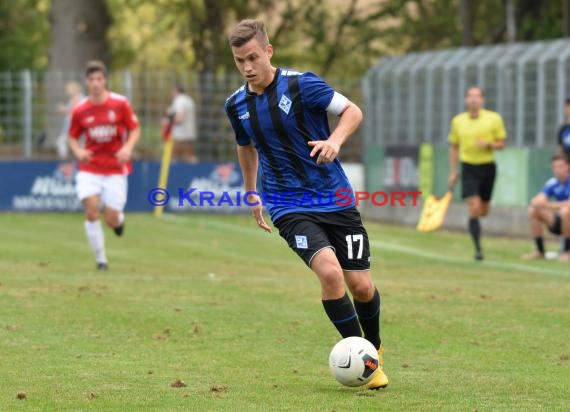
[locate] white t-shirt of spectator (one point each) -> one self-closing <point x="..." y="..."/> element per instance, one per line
<point x="186" y="129"/>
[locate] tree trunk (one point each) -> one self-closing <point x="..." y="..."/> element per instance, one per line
<point x="566" y="18"/>
<point x="208" y="58"/>
<point x="78" y="34"/>
<point x="466" y="22"/>
<point x="510" y="14"/>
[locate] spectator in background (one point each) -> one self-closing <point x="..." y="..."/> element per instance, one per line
<point x="564" y="131"/>
<point x="74" y="94"/>
<point x="182" y="113"/>
<point x="551" y="207"/>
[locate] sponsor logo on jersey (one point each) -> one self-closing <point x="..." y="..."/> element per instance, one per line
<point x="244" y="116"/>
<point x="104" y="133"/>
<point x="112" y="116"/>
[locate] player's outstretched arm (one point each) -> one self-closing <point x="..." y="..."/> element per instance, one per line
<point x="350" y="119"/>
<point x="248" y="161"/>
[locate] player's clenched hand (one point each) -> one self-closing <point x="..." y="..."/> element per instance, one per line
<point x="123" y="155"/>
<point x="84" y="155"/>
<point x="257" y="211"/>
<point x="327" y="149"/>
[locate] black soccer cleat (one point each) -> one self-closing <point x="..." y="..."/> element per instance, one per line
<point x="479" y="255"/>
<point x="102" y="267"/>
<point x="119" y="230"/>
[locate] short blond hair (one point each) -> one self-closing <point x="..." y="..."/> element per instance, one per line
<point x="246" y="30"/>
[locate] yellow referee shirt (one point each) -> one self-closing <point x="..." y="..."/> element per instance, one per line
<point x="465" y="131"/>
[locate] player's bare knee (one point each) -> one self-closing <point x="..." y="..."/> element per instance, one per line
<point x="362" y="291"/>
<point x="531" y="211"/>
<point x="92" y="214"/>
<point x="564" y="213"/>
<point x="474" y="212"/>
<point x="331" y="278"/>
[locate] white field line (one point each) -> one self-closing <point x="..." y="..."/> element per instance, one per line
<point x="408" y="250"/>
<point x="489" y="263"/>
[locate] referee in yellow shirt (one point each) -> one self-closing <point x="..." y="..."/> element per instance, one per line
<point x="474" y="135"/>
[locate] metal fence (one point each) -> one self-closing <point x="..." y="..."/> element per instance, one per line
<point x="30" y="124"/>
<point x="411" y="99"/>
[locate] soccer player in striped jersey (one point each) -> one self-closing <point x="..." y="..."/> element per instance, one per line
<point x="280" y="121"/>
<point x="111" y="130"/>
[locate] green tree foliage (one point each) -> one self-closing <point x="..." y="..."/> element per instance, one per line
<point x="328" y="36"/>
<point x="434" y="24"/>
<point x="24" y="34"/>
<point x="193" y="33"/>
<point x="187" y="33"/>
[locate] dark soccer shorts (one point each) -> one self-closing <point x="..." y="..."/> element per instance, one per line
<point x="478" y="180"/>
<point x="308" y="233"/>
<point x="556" y="228"/>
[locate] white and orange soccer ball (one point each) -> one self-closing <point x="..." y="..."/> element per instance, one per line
<point x="353" y="361"/>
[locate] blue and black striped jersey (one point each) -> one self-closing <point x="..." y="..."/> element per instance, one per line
<point x="280" y="122"/>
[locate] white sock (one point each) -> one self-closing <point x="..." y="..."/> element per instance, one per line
<point x="121" y="218"/>
<point x="96" y="239"/>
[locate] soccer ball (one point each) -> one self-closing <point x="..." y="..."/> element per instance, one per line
<point x="353" y="361"/>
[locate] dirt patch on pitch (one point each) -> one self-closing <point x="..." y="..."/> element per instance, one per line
<point x="178" y="384"/>
<point x="219" y="388"/>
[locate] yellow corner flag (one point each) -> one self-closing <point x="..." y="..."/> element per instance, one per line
<point x="165" y="164"/>
<point x="434" y="211"/>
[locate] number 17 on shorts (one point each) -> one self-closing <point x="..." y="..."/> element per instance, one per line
<point x="354" y="243"/>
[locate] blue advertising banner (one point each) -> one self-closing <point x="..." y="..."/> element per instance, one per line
<point x="206" y="187"/>
<point x="38" y="186"/>
<point x="50" y="186"/>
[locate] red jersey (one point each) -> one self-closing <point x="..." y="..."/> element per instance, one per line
<point x="105" y="127"/>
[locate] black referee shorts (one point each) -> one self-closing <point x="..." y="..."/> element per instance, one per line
<point x="342" y="231"/>
<point x="478" y="180"/>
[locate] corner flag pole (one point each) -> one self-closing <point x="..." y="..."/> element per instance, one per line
<point x="165" y="164"/>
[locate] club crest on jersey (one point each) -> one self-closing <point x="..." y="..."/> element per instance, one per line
<point x="285" y="104"/>
<point x="301" y="242"/>
<point x="90" y="119"/>
<point x="112" y="116"/>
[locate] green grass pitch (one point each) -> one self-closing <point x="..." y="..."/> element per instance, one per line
<point x="234" y="314"/>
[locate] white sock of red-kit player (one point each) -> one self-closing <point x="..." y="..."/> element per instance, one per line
<point x="96" y="239"/>
<point x="121" y="218"/>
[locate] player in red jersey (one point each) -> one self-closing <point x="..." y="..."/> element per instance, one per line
<point x="111" y="130"/>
